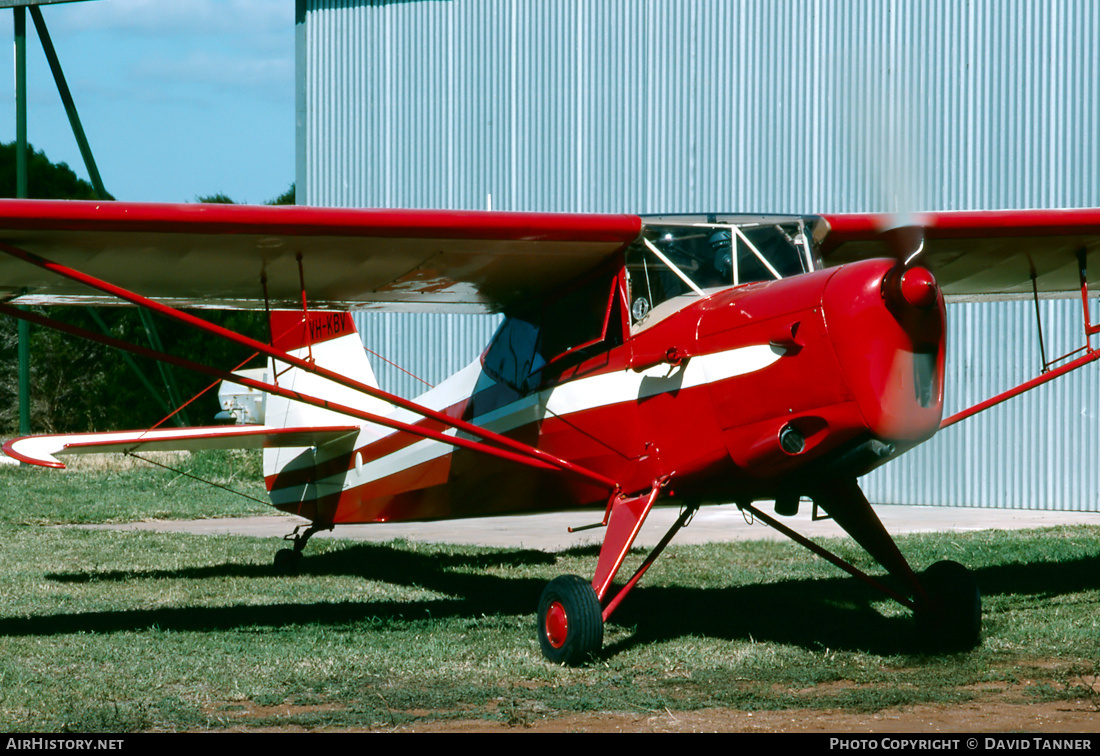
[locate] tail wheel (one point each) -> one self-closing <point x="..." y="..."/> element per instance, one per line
<point x="952" y="620"/>
<point x="570" y="621"/>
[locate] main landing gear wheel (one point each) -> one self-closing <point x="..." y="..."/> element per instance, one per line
<point x="287" y="560"/>
<point x="570" y="621"/>
<point x="952" y="621"/>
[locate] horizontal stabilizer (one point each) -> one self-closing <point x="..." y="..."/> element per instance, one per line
<point x="40" y="450"/>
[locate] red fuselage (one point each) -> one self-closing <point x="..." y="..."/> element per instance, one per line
<point x="750" y="392"/>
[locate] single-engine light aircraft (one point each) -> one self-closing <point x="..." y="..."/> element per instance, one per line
<point x="694" y="359"/>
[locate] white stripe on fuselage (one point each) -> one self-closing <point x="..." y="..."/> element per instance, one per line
<point x="575" y="396"/>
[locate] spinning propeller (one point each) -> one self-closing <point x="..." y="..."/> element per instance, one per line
<point x="904" y="233"/>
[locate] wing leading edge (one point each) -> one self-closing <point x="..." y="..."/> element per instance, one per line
<point x="225" y="255"/>
<point x="983" y="254"/>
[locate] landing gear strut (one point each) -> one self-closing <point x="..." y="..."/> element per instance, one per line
<point x="947" y="605"/>
<point x="946" y="602"/>
<point x="572" y="610"/>
<point x="286" y="560"/>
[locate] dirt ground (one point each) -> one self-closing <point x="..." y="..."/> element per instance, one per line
<point x="995" y="713"/>
<point x="988" y="717"/>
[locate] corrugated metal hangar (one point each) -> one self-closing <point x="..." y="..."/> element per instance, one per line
<point x="789" y="106"/>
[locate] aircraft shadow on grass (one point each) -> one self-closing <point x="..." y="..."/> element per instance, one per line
<point x="833" y="613"/>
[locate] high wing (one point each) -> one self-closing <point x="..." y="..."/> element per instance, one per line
<point x="982" y="254"/>
<point x="43" y="450"/>
<point x="228" y="255"/>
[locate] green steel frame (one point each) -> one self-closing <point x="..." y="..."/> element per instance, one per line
<point x="20" y="8"/>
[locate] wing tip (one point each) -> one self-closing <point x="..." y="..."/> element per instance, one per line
<point x="42" y="459"/>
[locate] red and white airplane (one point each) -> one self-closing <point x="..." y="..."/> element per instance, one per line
<point x="694" y="359"/>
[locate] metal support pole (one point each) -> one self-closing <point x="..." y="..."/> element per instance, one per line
<point x="179" y="418"/>
<point x="67" y="100"/>
<point x="165" y="405"/>
<point x="1082" y="269"/>
<point x="20" y="102"/>
<point x="1046" y="377"/>
<point x="24" y="377"/>
<point x="21" y="192"/>
<point x="686" y="515"/>
<point x="97" y="185"/>
<point x="828" y="556"/>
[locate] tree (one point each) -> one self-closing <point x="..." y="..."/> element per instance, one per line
<point x="69" y="379"/>
<point x="45" y="180"/>
<point x="286" y="198"/>
<point x="214" y="199"/>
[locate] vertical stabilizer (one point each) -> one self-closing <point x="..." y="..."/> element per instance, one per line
<point x="328" y="339"/>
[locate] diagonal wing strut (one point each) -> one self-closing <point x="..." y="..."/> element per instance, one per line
<point x="492" y="443"/>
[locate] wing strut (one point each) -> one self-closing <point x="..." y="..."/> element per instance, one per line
<point x="225" y="375"/>
<point x="1039" y="320"/>
<point x="491" y="443"/>
<point x="1048" y="373"/>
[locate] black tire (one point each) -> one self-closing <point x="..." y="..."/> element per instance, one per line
<point x="570" y="621"/>
<point x="286" y="560"/>
<point x="952" y="619"/>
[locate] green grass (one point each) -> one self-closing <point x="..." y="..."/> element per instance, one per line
<point x="126" y="631"/>
<point x="111" y="488"/>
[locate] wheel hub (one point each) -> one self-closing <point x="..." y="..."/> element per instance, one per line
<point x="557" y="624"/>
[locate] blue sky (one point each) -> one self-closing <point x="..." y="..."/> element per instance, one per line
<point x="178" y="98"/>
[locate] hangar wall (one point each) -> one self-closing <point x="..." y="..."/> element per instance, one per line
<point x="758" y="106"/>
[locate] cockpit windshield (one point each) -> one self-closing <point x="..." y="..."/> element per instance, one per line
<point x="687" y="256"/>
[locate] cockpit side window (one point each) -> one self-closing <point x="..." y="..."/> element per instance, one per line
<point x="651" y="281"/>
<point x="512" y="356"/>
<point x="777" y="247"/>
<point x="532" y="345"/>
